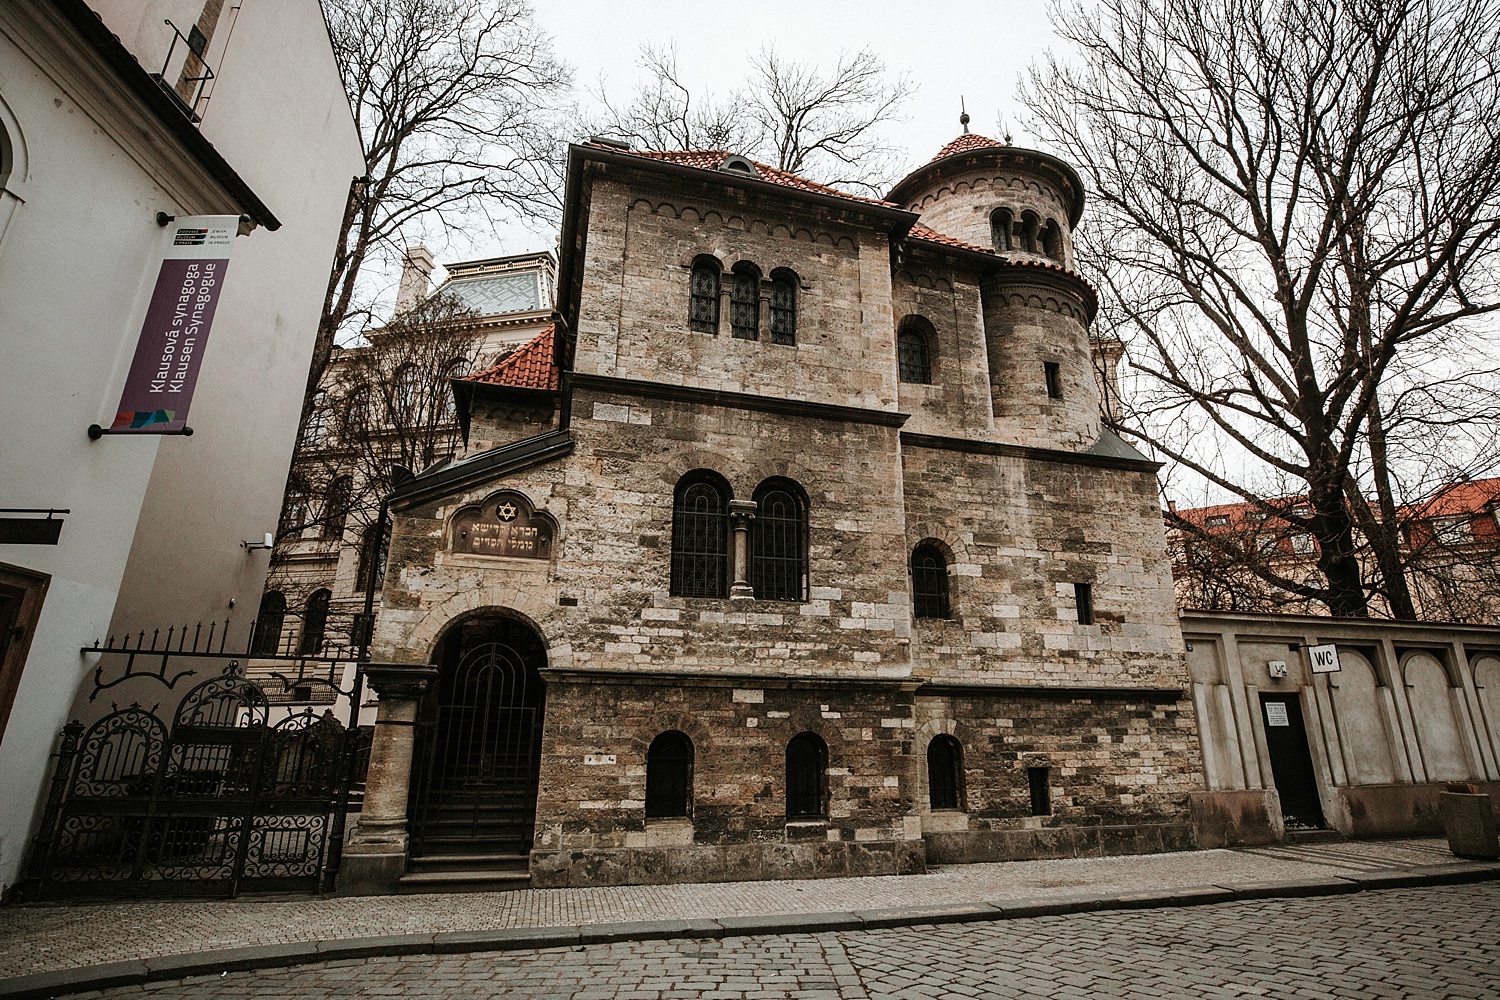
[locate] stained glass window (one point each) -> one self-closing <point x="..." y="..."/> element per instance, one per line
<point x="744" y="305"/>
<point x="783" y="309"/>
<point x="703" y="308"/>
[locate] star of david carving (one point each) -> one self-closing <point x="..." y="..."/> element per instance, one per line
<point x="506" y="511"/>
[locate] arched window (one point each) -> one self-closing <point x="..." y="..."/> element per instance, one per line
<point x="700" y="537"/>
<point x="929" y="583"/>
<point x="314" y="623"/>
<point x="669" y="776"/>
<point x="945" y="773"/>
<point x="1052" y="240"/>
<point x="703" y="303"/>
<point x="1002" y="224"/>
<point x="778" y="542"/>
<point x="268" y="624"/>
<point x="1030" y="229"/>
<point x="806" y="778"/>
<point x="744" y="303"/>
<point x="914" y="363"/>
<point x="336" y="507"/>
<point x="406" y="393"/>
<point x="371" y="548"/>
<point x="317" y="421"/>
<point x="783" y="307"/>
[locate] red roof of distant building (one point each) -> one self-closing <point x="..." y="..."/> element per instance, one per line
<point x="1471" y="496"/>
<point x="963" y="144"/>
<point x="533" y="365"/>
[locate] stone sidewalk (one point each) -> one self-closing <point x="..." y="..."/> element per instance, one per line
<point x="40" y="938"/>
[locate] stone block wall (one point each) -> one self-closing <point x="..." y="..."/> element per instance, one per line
<point x="959" y="204"/>
<point x="957" y="402"/>
<point x="1021" y="530"/>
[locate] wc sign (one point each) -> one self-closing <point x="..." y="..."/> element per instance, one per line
<point x="1325" y="659"/>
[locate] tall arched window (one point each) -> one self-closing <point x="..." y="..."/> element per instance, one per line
<point x="703" y="302"/>
<point x="929" y="583"/>
<point x="669" y="776"/>
<point x="783" y="307"/>
<point x="945" y="773"/>
<point x="314" y="623"/>
<point x="1052" y="241"/>
<point x="700" y="537"/>
<point x="317" y="421"/>
<point x="913" y="359"/>
<point x="1031" y="225"/>
<point x="778" y="542"/>
<point x="806" y="778"/>
<point x="1002" y="224"/>
<point x="268" y="624"/>
<point x="744" y="303"/>
<point x="336" y="507"/>
<point x="377" y="549"/>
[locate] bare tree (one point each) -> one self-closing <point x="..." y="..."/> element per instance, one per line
<point x="793" y="115"/>
<point x="457" y="104"/>
<point x="1296" y="217"/>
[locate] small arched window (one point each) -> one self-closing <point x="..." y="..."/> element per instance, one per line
<point x="336" y="507"/>
<point x="1002" y="225"/>
<point x="806" y="778"/>
<point x="1031" y="225"/>
<point x="669" y="776"/>
<point x="914" y="363"/>
<point x="778" y="542"/>
<point x="945" y="773"/>
<point x="929" y="583"/>
<point x="703" y="304"/>
<point x="700" y="537"/>
<point x="268" y="624"/>
<point x="1052" y="240"/>
<point x="744" y="303"/>
<point x="314" y="623"/>
<point x="783" y="308"/>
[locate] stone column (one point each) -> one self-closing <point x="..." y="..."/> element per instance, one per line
<point x="741" y="513"/>
<point x="375" y="856"/>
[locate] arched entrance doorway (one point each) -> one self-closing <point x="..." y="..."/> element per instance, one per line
<point x="478" y="746"/>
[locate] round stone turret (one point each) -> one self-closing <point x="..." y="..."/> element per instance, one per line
<point x="1022" y="205"/>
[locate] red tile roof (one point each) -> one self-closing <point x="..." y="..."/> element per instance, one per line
<point x="533" y="365"/>
<point x="1472" y="496"/>
<point x="930" y="235"/>
<point x="963" y="144"/>
<point x="709" y="159"/>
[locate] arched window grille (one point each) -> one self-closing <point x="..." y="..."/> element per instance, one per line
<point x="778" y="543"/>
<point x="314" y="623"/>
<point x="336" y="507"/>
<point x="945" y="775"/>
<point x="913" y="362"/>
<point x="806" y="778"/>
<point x="703" y="303"/>
<point x="783" y="308"/>
<point x="1002" y="224"/>
<point x="269" y="621"/>
<point x="744" y="304"/>
<point x="700" y="538"/>
<point x="669" y="776"/>
<point x="1052" y="240"/>
<point x="929" y="583"/>
<point x="1030" y="229"/>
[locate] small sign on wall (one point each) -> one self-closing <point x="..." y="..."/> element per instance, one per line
<point x="1324" y="659"/>
<point x="1276" y="714"/>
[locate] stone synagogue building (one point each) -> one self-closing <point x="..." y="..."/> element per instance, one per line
<point x="793" y="548"/>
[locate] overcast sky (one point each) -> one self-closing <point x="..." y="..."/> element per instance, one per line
<point x="975" y="51"/>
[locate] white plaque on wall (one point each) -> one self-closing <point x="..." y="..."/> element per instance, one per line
<point x="1324" y="659"/>
<point x="1276" y="714"/>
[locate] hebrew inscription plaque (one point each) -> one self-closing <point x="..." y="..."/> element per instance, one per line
<point x="504" y="526"/>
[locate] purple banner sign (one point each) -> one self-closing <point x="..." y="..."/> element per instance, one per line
<point x="159" y="388"/>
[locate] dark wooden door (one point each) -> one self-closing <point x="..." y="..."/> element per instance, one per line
<point x="1291" y="761"/>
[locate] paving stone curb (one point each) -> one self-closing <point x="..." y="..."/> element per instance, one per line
<point x="61" y="982"/>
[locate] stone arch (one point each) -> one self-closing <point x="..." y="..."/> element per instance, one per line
<point x="922" y="738"/>
<point x="529" y="606"/>
<point x="1439" y="739"/>
<point x="1358" y="700"/>
<point x="1487" y="686"/>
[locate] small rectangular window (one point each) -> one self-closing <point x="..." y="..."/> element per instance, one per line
<point x="1054" y="379"/>
<point x="1083" y="599"/>
<point x="1041" y="791"/>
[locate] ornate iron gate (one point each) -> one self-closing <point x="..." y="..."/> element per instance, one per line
<point x="217" y="802"/>
<point x="480" y="745"/>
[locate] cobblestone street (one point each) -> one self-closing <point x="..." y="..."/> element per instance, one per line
<point x="1428" y="942"/>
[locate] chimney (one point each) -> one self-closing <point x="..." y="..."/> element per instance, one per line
<point x="416" y="270"/>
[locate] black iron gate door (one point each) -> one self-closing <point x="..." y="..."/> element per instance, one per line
<point x="217" y="803"/>
<point x="480" y="745"/>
